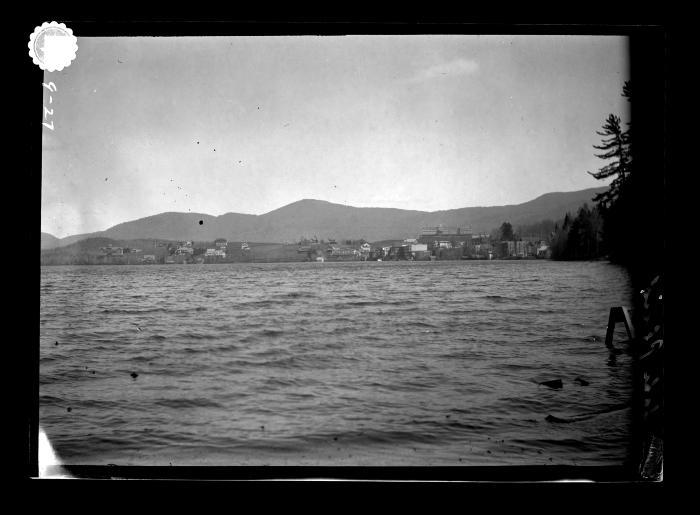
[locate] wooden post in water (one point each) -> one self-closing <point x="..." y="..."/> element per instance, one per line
<point x="618" y="314"/>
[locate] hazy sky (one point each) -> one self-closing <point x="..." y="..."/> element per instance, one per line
<point x="249" y="124"/>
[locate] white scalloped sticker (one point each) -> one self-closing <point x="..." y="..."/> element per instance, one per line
<point x="52" y="46"/>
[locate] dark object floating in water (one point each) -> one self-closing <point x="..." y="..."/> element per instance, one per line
<point x="335" y="438"/>
<point x="582" y="382"/>
<point x="69" y="410"/>
<point x="554" y="383"/>
<point x="56" y="343"/>
<point x="134" y="375"/>
<point x="262" y="427"/>
<point x="556" y="420"/>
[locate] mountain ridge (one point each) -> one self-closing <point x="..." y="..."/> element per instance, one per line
<point x="314" y="217"/>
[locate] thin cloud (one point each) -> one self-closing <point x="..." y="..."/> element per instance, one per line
<point x="454" y="68"/>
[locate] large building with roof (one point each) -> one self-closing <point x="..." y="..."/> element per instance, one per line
<point x="445" y="237"/>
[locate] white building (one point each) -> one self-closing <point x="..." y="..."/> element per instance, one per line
<point x="543" y="251"/>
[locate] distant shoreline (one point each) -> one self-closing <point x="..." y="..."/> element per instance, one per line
<point x="311" y="262"/>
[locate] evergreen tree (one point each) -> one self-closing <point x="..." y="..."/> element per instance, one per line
<point x="506" y="231"/>
<point x="579" y="237"/>
<point x="615" y="145"/>
<point x="616" y="204"/>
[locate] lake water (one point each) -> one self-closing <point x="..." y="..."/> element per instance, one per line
<point x="357" y="363"/>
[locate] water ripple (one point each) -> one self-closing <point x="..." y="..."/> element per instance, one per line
<point x="334" y="363"/>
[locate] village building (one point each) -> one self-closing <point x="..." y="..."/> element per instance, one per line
<point x="399" y="252"/>
<point x="341" y="251"/>
<point x="185" y="249"/>
<point x="543" y="251"/>
<point x="418" y="247"/>
<point x="440" y="236"/>
<point x="112" y="251"/>
<point x="217" y="252"/>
